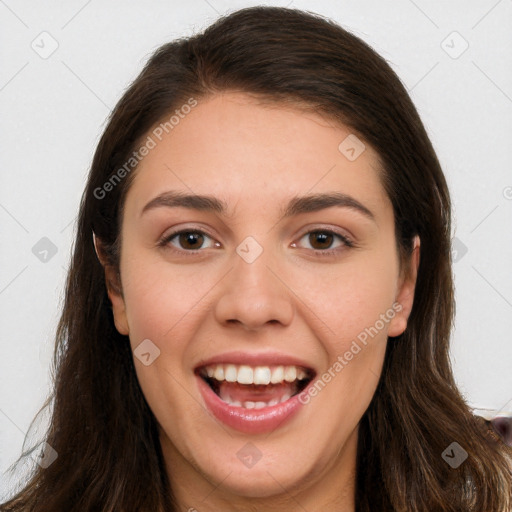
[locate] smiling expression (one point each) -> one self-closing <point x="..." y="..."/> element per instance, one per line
<point x="254" y="252"/>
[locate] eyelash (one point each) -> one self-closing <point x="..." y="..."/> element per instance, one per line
<point x="347" y="243"/>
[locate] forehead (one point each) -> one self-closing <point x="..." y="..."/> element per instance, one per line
<point x="234" y="147"/>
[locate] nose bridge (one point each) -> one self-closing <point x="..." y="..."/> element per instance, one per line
<point x="253" y="295"/>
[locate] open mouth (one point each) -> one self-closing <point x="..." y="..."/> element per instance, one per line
<point x="255" y="387"/>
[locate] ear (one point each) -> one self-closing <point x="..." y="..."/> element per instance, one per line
<point x="114" y="290"/>
<point x="405" y="295"/>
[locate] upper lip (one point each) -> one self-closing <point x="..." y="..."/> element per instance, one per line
<point x="255" y="359"/>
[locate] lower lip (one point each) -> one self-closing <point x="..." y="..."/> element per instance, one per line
<point x="250" y="421"/>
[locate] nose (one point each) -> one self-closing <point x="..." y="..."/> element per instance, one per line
<point x="254" y="294"/>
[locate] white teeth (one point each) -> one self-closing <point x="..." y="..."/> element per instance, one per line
<point x="301" y="374"/>
<point x="248" y="404"/>
<point x="259" y="375"/>
<point x="245" y="375"/>
<point x="277" y="375"/>
<point x="230" y="373"/>
<point x="290" y="373"/>
<point x="219" y="372"/>
<point x="262" y="375"/>
<point x="233" y="403"/>
<point x="285" y="397"/>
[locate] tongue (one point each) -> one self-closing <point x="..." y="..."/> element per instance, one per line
<point x="255" y="393"/>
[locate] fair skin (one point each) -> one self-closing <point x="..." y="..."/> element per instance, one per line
<point x="290" y="299"/>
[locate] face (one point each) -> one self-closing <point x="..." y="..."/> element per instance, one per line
<point x="259" y="317"/>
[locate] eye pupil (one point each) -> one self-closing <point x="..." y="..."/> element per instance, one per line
<point x="192" y="238"/>
<point x="321" y="237"/>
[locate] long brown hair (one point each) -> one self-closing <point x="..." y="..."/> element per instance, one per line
<point x="105" y="435"/>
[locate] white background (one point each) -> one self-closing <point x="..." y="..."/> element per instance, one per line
<point x="53" y="110"/>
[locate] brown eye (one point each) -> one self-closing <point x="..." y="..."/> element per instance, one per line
<point x="188" y="240"/>
<point x="191" y="239"/>
<point x="322" y="242"/>
<point x="320" y="239"/>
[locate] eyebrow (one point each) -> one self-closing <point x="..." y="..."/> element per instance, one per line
<point x="296" y="205"/>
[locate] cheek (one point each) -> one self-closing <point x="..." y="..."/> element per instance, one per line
<point x="352" y="301"/>
<point x="162" y="298"/>
<point x="165" y="307"/>
<point x="357" y="307"/>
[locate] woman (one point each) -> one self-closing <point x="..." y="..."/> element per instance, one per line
<point x="260" y="299"/>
